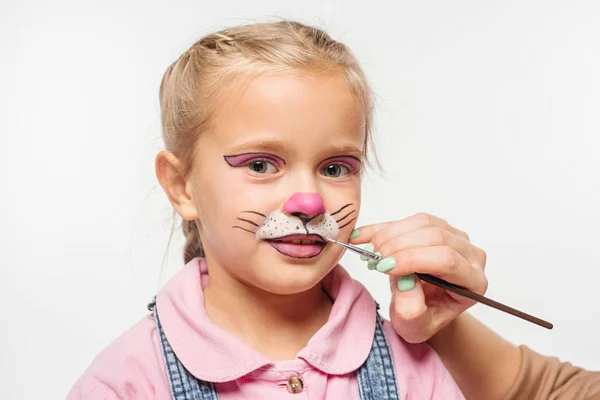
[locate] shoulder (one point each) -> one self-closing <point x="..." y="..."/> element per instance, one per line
<point x="419" y="370"/>
<point x="130" y="367"/>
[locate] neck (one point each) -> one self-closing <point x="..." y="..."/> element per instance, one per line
<point x="278" y="326"/>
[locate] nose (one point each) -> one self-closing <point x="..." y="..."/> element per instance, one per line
<point x="307" y="204"/>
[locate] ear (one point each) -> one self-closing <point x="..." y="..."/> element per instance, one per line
<point x="169" y="173"/>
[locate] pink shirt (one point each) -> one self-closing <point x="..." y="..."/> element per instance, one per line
<point x="132" y="367"/>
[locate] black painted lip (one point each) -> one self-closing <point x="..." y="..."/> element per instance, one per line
<point x="321" y="244"/>
<point x="316" y="238"/>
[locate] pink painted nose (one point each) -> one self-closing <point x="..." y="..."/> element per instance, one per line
<point x="309" y="204"/>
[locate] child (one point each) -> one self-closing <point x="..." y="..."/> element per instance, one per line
<point x="266" y="128"/>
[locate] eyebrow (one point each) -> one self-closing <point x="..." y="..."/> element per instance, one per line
<point x="275" y="146"/>
<point x="346" y="150"/>
<point x="278" y="147"/>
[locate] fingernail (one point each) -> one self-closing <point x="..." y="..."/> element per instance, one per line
<point x="354" y="234"/>
<point x="405" y="282"/>
<point x="372" y="263"/>
<point x="386" y="264"/>
<point x="368" y="247"/>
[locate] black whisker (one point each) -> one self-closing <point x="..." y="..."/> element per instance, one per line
<point x="248" y="221"/>
<point x="244" y="229"/>
<point x="340" y="210"/>
<point x="346" y="216"/>
<point x="255" y="212"/>
<point x="347" y="223"/>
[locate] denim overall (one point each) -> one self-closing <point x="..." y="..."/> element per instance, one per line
<point x="376" y="378"/>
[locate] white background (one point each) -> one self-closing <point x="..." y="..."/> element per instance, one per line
<point x="488" y="116"/>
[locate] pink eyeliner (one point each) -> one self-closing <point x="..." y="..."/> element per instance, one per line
<point x="352" y="162"/>
<point x="239" y="160"/>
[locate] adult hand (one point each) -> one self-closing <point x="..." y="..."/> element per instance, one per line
<point x="426" y="244"/>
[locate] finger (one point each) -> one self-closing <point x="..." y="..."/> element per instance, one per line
<point x="365" y="233"/>
<point x="441" y="261"/>
<point x="421" y="220"/>
<point x="426" y="237"/>
<point x="414" y="223"/>
<point x="480" y="259"/>
<point x="409" y="313"/>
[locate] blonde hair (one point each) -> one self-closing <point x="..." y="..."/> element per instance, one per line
<point x="190" y="86"/>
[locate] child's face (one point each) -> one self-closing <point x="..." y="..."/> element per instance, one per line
<point x="282" y="157"/>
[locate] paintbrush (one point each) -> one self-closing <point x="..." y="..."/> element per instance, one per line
<point x="452" y="287"/>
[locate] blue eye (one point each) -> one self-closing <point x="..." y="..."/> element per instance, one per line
<point x="262" y="167"/>
<point x="335" y="170"/>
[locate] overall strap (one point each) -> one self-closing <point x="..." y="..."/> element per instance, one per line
<point x="184" y="386"/>
<point x="376" y="378"/>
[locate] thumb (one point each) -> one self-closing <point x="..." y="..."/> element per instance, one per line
<point x="408" y="311"/>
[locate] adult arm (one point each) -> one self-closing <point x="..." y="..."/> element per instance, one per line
<point x="485" y="366"/>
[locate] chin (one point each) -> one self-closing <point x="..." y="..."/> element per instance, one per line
<point x="288" y="288"/>
<point x="291" y="275"/>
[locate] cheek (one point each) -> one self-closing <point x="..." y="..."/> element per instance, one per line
<point x="223" y="204"/>
<point x="347" y="217"/>
<point x="215" y="213"/>
<point x="341" y="195"/>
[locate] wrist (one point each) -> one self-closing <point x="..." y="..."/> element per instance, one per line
<point x="443" y="337"/>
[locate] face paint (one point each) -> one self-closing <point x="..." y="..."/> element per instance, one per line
<point x="303" y="214"/>
<point x="258" y="162"/>
<point x="335" y="166"/>
<point x="307" y="204"/>
<point x="279" y="225"/>
<point x="297" y="236"/>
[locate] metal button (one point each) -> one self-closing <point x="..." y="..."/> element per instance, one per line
<point x="295" y="384"/>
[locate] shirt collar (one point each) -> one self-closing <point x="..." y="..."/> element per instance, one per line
<point x="211" y="354"/>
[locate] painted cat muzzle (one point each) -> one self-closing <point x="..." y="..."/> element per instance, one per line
<point x="299" y="228"/>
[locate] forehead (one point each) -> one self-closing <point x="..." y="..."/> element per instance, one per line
<point x="301" y="111"/>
